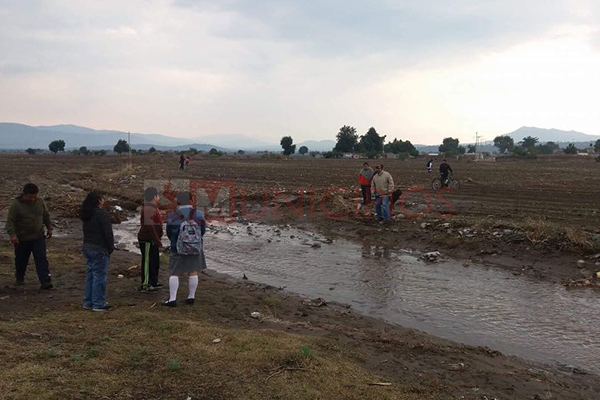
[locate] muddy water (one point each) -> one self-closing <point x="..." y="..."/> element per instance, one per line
<point x="477" y="305"/>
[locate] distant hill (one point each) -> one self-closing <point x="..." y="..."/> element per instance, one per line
<point x="19" y="136"/>
<point x="552" y="135"/>
<point x="14" y="136"/>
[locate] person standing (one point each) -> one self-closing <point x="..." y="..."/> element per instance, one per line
<point x="430" y="165"/>
<point x="382" y="187"/>
<point x="364" y="179"/>
<point x="149" y="237"/>
<point x="98" y="245"/>
<point x="181" y="162"/>
<point x="25" y="224"/>
<point x="185" y="228"/>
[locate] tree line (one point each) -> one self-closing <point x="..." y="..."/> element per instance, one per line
<point x="531" y="146"/>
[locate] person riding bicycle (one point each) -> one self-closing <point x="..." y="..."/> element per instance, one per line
<point x="445" y="171"/>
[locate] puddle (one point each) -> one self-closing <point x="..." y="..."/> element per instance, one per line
<point x="478" y="305"/>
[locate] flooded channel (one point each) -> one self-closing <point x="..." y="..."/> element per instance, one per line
<point x="476" y="305"/>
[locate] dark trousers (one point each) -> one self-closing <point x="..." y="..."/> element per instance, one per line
<point x="366" y="194"/>
<point x="22" y="252"/>
<point x="444" y="178"/>
<point x="150" y="263"/>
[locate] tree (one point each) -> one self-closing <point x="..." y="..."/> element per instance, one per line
<point x="303" y="150"/>
<point x="84" y="150"/>
<point x="547" y="148"/>
<point x="371" y="142"/>
<point x="314" y="153"/>
<point x="333" y="154"/>
<point x="450" y="146"/>
<point x="504" y="143"/>
<point x="400" y="146"/>
<point x="56" y="146"/>
<point x="240" y="152"/>
<point x="571" y="149"/>
<point x="215" y="152"/>
<point x="347" y="139"/>
<point x="287" y="145"/>
<point x="152" y="150"/>
<point x="529" y="142"/>
<point x="471" y="148"/>
<point x="121" y="147"/>
<point x="30" y="151"/>
<point x="462" y="150"/>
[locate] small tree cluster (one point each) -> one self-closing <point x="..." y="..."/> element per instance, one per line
<point x="56" y="146"/>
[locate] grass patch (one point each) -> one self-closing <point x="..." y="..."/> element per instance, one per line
<point x="248" y="364"/>
<point x="173" y="365"/>
<point x="271" y="302"/>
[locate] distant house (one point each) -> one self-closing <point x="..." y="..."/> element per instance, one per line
<point x="350" y="155"/>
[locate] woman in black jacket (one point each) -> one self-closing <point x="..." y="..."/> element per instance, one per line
<point x="98" y="245"/>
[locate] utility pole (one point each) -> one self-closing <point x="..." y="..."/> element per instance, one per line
<point x="129" y="147"/>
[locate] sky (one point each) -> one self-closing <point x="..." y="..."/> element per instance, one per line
<point x="417" y="70"/>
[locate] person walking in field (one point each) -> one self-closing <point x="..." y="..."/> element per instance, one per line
<point x="430" y="165"/>
<point x="445" y="171"/>
<point x="98" y="245"/>
<point x="187" y="162"/>
<point x="185" y="228"/>
<point x="364" y="179"/>
<point x="181" y="162"/>
<point x="149" y="237"/>
<point x="27" y="218"/>
<point x="382" y="187"/>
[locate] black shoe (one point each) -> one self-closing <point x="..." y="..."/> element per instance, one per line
<point x="170" y="303"/>
<point x="190" y="302"/>
<point x="20" y="282"/>
<point x="149" y="289"/>
<point x="158" y="286"/>
<point x="46" y="286"/>
<point x="106" y="307"/>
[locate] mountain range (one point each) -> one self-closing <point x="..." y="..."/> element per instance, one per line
<point x="14" y="136"/>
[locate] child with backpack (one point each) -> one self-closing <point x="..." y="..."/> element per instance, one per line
<point x="185" y="228"/>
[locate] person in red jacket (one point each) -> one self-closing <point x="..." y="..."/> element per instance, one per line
<point x="364" y="179"/>
<point x="150" y="238"/>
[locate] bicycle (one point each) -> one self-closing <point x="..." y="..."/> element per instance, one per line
<point x="452" y="183"/>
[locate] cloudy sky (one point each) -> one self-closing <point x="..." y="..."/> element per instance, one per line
<point x="414" y="69"/>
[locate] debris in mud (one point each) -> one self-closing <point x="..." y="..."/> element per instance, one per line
<point x="433" y="256"/>
<point x="457" y="367"/>
<point x="572" y="369"/>
<point x="588" y="282"/>
<point x="580" y="263"/>
<point x="216" y="341"/>
<point x="318" y="302"/>
<point x="255" y="315"/>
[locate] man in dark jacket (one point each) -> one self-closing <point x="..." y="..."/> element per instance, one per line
<point x="445" y="171"/>
<point x="25" y="224"/>
<point x="150" y="236"/>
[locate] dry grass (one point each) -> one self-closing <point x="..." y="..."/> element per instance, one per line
<point x="130" y="353"/>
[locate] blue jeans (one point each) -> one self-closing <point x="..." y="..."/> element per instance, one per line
<point x="382" y="207"/>
<point x="95" y="280"/>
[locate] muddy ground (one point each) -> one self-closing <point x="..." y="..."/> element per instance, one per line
<point x="519" y="212"/>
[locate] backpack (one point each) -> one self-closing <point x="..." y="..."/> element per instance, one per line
<point x="189" y="241"/>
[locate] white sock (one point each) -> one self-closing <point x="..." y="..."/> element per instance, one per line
<point x="173" y="286"/>
<point x="193" y="286"/>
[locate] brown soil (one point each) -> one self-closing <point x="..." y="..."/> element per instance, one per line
<point x="419" y="363"/>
